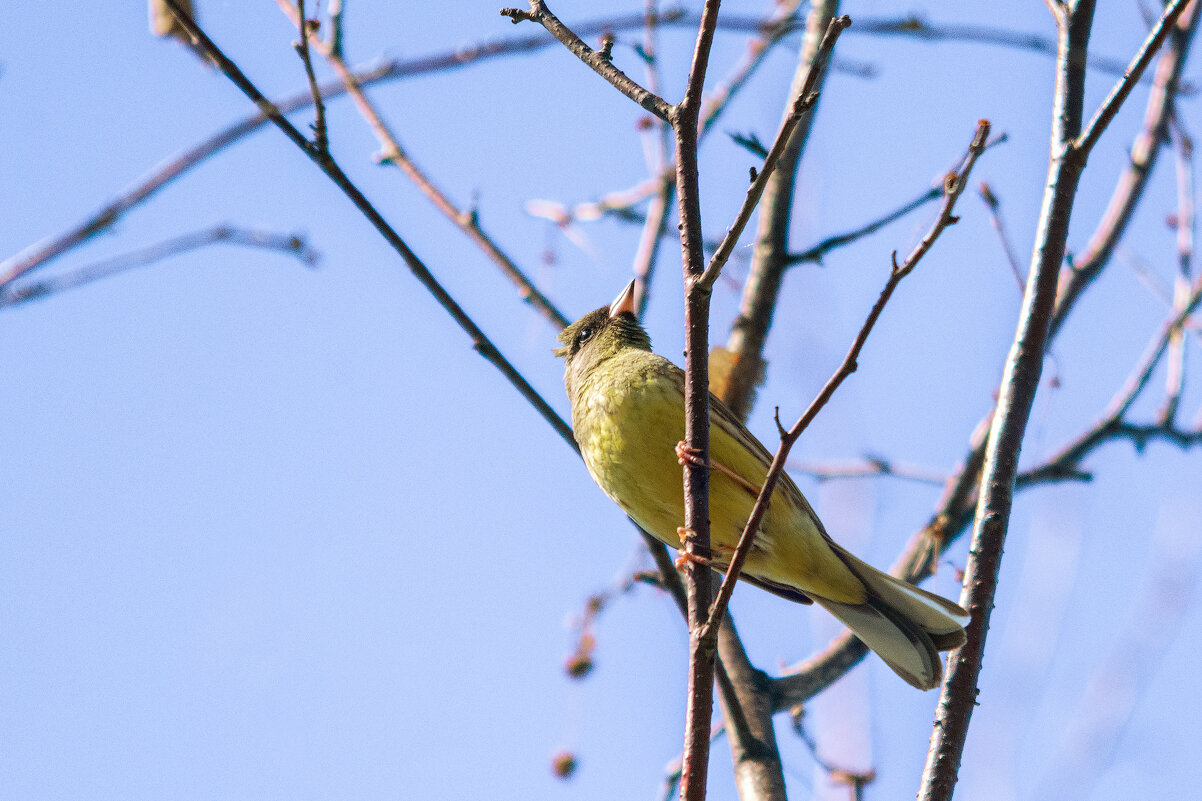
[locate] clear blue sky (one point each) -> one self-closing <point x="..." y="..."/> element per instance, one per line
<point x="274" y="533"/>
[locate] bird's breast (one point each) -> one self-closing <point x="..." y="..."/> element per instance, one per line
<point x="627" y="430"/>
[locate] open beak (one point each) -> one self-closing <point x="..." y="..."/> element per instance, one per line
<point x="624" y="302"/>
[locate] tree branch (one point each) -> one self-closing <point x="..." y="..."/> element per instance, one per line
<point x="599" y="61"/>
<point x="696" y="534"/>
<point x="1114" y="101"/>
<point x="802" y="103"/>
<point x="1175" y="379"/>
<point x="321" y="139"/>
<point x="1088" y="265"/>
<point x="1019" y="384"/>
<point x="293" y="244"/>
<point x="760" y="291"/>
<point x="953" y="186"/>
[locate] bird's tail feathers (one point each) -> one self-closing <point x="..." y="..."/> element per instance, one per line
<point x="905" y="625"/>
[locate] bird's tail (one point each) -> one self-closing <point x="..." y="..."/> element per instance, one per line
<point x="905" y="625"/>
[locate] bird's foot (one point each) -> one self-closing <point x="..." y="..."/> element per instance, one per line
<point x="692" y="456"/>
<point x="686" y="455"/>
<point x="685" y="557"/>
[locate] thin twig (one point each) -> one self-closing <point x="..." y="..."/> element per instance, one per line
<point x="1129" y="189"/>
<point x="176" y="246"/>
<point x="953" y="514"/>
<point x="657" y="136"/>
<point x="334" y="38"/>
<point x="620" y="202"/>
<point x="868" y="467"/>
<point x="772" y="30"/>
<point x="598" y="61"/>
<point x="657" y="141"/>
<point x="815" y="253"/>
<point x="995" y="216"/>
<point x="802" y="103"/>
<point x="480" y="342"/>
<point x="1112" y="424"/>
<point x="321" y="139"/>
<point x="954" y="187"/>
<point x="1175" y="376"/>
<point x="1110" y="106"/>
<point x="654" y="231"/>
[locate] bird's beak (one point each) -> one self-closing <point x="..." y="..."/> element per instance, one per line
<point x="624" y="302"/>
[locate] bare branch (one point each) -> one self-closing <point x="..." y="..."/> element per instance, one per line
<point x="1112" y="423"/>
<point x="816" y="252"/>
<point x="309" y="28"/>
<point x="953" y="514"/>
<point x="1114" y="101"/>
<point x="954" y="185"/>
<point x="654" y="230"/>
<point x="176" y="246"/>
<point x="1089" y="264"/>
<point x="1175" y="379"/>
<point x="762" y="287"/>
<point x="334" y="38"/>
<point x="1019" y="384"/>
<point x="772" y="27"/>
<point x="915" y="27"/>
<point x="696" y="532"/>
<point x="868" y="467"/>
<point x="598" y="61"/>
<point x="771" y="31"/>
<point x="802" y="103"/>
<point x="995" y="216"/>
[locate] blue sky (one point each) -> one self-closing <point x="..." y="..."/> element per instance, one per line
<point x="272" y="532"/>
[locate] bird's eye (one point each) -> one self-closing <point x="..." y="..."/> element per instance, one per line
<point x="582" y="335"/>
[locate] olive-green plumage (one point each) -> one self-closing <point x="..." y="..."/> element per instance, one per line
<point x="628" y="416"/>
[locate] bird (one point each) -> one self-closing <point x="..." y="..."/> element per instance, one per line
<point x="628" y="419"/>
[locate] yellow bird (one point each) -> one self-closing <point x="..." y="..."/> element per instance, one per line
<point x="628" y="417"/>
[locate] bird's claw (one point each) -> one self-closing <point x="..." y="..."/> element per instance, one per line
<point x="692" y="456"/>
<point x="686" y="455"/>
<point x="685" y="557"/>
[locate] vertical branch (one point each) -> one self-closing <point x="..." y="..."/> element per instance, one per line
<point x="696" y="536"/>
<point x="320" y="135"/>
<point x="657" y="139"/>
<point x="1019" y="383"/>
<point x="1090" y="262"/>
<point x="772" y="239"/>
<point x="1175" y="379"/>
<point x="759" y="775"/>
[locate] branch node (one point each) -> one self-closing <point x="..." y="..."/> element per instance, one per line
<point x="517" y="15"/>
<point x="607" y="46"/>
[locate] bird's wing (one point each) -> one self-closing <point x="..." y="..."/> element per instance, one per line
<point x="751" y="461"/>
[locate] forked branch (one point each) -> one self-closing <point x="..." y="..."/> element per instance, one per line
<point x="953" y="187"/>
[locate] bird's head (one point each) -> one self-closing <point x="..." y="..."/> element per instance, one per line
<point x="599" y="335"/>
